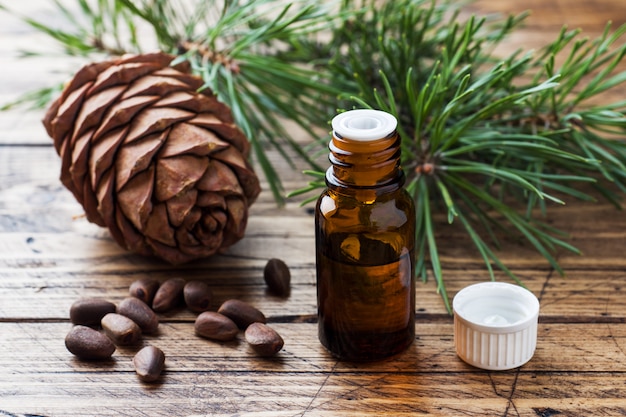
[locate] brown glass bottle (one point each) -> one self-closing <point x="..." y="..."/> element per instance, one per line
<point x="365" y="240"/>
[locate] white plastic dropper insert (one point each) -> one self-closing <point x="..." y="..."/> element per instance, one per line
<point x="364" y="125"/>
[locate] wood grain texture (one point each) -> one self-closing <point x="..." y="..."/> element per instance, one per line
<point x="50" y="256"/>
<point x="211" y="378"/>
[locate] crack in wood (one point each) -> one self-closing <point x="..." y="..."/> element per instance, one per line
<point x="546" y="412"/>
<point x="510" y="400"/>
<point x="9" y="414"/>
<point x="319" y="390"/>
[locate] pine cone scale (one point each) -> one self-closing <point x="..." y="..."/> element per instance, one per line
<point x="227" y="131"/>
<point x="247" y="179"/>
<point x="103" y="154"/>
<point x="62" y="121"/>
<point x="94" y="108"/>
<point x="179" y="206"/>
<point x="137" y="157"/>
<point x="237" y="219"/>
<point x="86" y="75"/>
<point x="198" y="103"/>
<point x="170" y="73"/>
<point x="220" y="178"/>
<point x="176" y="174"/>
<point x="130" y="237"/>
<point x="158" y="227"/>
<point x="154" y="86"/>
<point x="135" y="199"/>
<point x="106" y="205"/>
<point x="79" y="168"/>
<point x="120" y="114"/>
<point x="186" y="138"/>
<point x="212" y="200"/>
<point x="121" y="75"/>
<point x="186" y="239"/>
<point x="154" y="120"/>
<point x="65" y="152"/>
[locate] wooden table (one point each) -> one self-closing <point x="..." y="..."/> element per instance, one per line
<point x="50" y="256"/>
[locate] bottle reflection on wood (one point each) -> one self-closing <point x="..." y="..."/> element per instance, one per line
<point x="365" y="241"/>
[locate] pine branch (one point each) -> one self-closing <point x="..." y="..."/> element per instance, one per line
<point x="464" y="114"/>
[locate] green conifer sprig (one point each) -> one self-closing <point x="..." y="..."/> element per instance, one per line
<point x="479" y="131"/>
<point x="490" y="141"/>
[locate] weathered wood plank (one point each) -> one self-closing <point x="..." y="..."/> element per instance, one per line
<point x="228" y="378"/>
<point x="551" y="16"/>
<point x="561" y="348"/>
<point x="299" y="395"/>
<point x="582" y="296"/>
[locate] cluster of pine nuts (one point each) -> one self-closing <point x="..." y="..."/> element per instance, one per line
<point x="100" y="326"/>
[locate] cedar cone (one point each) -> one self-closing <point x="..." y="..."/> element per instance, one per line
<point x="159" y="164"/>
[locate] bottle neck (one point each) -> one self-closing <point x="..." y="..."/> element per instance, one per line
<point x="372" y="164"/>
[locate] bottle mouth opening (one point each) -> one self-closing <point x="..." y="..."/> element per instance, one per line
<point x="364" y="125"/>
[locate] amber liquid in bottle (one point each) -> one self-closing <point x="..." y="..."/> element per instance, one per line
<point x="365" y="242"/>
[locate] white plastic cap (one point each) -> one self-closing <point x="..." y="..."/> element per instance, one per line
<point x="495" y="325"/>
<point x="364" y="124"/>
